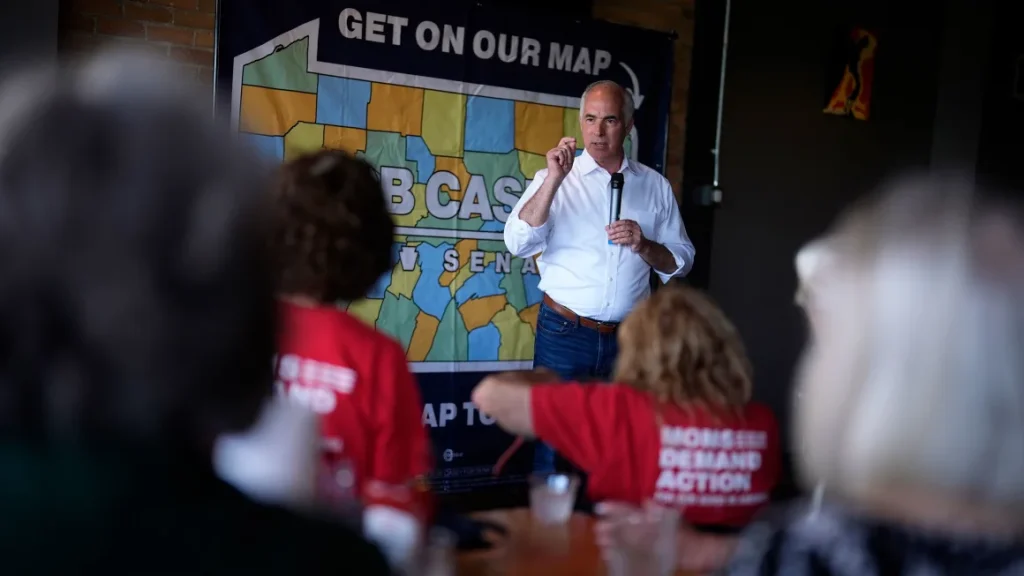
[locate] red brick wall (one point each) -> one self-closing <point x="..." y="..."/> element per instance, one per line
<point x="180" y="30"/>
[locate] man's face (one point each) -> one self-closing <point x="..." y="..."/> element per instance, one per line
<point x="604" y="130"/>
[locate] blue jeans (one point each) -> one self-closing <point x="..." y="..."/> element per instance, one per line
<point x="574" y="352"/>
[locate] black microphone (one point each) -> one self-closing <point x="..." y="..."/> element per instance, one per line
<point x="615" y="203"/>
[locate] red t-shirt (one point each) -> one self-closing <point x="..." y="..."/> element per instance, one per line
<point x="358" y="381"/>
<point x="716" y="470"/>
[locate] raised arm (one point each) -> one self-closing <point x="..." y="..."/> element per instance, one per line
<point x="527" y="228"/>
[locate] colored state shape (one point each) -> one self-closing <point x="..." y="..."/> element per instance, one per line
<point x="571" y="127"/>
<point x="285" y="69"/>
<point x="366" y="309"/>
<point x="268" y="147"/>
<point x="429" y="294"/>
<point x="452" y="340"/>
<point x="404" y="281"/>
<point x="435" y="223"/>
<point x="492" y="245"/>
<point x="419" y="209"/>
<point x="303" y="139"/>
<point x="351" y="140"/>
<point x="517" y="337"/>
<point x="627" y="146"/>
<point x="529" y="315"/>
<point x="490" y="125"/>
<point x="466" y="272"/>
<point x="444" y="122"/>
<point x="512" y="284"/>
<point x="387" y="149"/>
<point x="484" y="343"/>
<point x="394" y="316"/>
<point x="493" y="167"/>
<point x="538" y="127"/>
<point x="274" y="112"/>
<point x="342" y="101"/>
<point x="463" y="247"/>
<point x="533" y="293"/>
<point x="381" y="285"/>
<point x="422" y="337"/>
<point x="457" y="167"/>
<point x="478" y="312"/>
<point x="530" y="163"/>
<point x="453" y="224"/>
<point x="395" y="108"/>
<point x="429" y="240"/>
<point x="479" y="285"/>
<point x="416" y="150"/>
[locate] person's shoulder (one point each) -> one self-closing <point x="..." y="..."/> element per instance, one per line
<point x="652" y="179"/>
<point x="759" y="415"/>
<point x="623" y="396"/>
<point x="273" y="537"/>
<point x="322" y="545"/>
<point x="644" y="171"/>
<point x="624" y="392"/>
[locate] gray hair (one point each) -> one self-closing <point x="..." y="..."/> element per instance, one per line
<point x="628" y="108"/>
<point x="914" y="375"/>
<point x="135" y="292"/>
<point x="809" y="261"/>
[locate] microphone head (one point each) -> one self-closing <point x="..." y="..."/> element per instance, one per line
<point x="617" y="180"/>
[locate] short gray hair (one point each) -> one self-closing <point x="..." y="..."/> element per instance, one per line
<point x="628" y="108"/>
<point x="136" y="295"/>
<point x="914" y="374"/>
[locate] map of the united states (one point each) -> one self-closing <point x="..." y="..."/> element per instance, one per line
<point x="453" y="165"/>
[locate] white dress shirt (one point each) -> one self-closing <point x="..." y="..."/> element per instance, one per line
<point x="578" y="268"/>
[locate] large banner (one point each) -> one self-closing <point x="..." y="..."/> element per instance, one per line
<point x="455" y="103"/>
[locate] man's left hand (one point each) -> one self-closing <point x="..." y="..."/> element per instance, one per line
<point x="626" y="233"/>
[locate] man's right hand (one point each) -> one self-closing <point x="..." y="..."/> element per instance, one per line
<point x="561" y="157"/>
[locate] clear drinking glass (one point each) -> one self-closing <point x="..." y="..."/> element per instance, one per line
<point x="643" y="542"/>
<point x="553" y="496"/>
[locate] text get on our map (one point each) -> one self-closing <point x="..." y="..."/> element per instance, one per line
<point x="484" y="44"/>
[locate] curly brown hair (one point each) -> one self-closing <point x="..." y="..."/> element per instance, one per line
<point x="680" y="347"/>
<point x="332" y="232"/>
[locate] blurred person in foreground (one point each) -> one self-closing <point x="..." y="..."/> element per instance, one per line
<point x="910" y="394"/>
<point x="676" y="427"/>
<point x="332" y="241"/>
<point x="136" y="325"/>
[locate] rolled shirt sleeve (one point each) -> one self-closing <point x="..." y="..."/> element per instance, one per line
<point x="521" y="239"/>
<point x="671" y="233"/>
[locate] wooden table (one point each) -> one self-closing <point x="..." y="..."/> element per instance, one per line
<point x="534" y="549"/>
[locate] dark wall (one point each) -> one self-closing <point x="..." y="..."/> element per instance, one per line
<point x="1001" y="147"/>
<point x="787" y="169"/>
<point x="28" y="32"/>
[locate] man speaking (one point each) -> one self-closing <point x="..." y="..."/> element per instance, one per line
<point x="594" y="271"/>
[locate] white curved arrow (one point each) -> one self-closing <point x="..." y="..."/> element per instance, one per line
<point x="638" y="98"/>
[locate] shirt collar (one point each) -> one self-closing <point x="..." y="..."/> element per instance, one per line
<point x="587" y="164"/>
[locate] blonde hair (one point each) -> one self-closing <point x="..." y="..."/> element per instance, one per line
<point x="915" y="376"/>
<point x="680" y="347"/>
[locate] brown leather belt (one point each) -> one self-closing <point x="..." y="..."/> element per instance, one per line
<point x="601" y="327"/>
